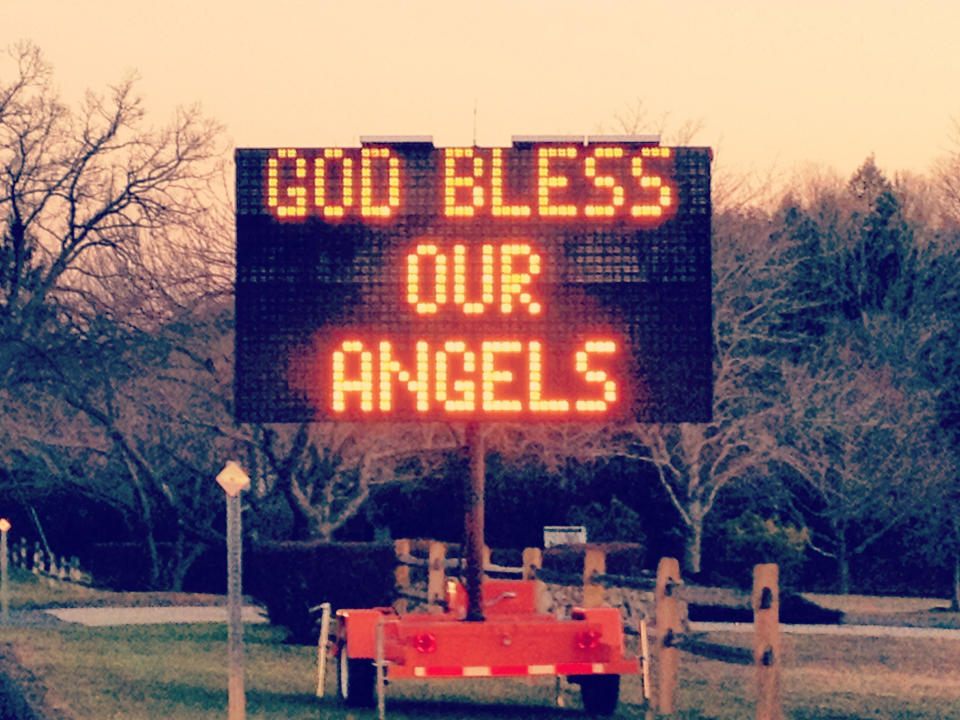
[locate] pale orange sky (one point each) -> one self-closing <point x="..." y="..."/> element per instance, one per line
<point x="774" y="84"/>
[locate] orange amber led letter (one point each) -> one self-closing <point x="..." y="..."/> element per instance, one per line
<point x="467" y="389"/>
<point x="497" y="207"/>
<point x="460" y="280"/>
<point x="493" y="376"/>
<point x="439" y="279"/>
<point x="389" y="187"/>
<point x="661" y="191"/>
<point x="535" y="379"/>
<point x="452" y="182"/>
<point x="604" y="182"/>
<point x="547" y="181"/>
<point x="389" y="368"/>
<point x="610" y="392"/>
<point x="321" y="166"/>
<point x="362" y="385"/>
<point x="289" y="201"/>
<point x="512" y="283"/>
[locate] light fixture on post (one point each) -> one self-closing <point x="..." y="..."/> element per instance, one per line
<point x="4" y="571"/>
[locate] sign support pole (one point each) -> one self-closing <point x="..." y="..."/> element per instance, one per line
<point x="473" y="521"/>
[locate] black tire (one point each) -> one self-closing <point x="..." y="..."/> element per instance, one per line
<point x="600" y="693"/>
<point x="356" y="681"/>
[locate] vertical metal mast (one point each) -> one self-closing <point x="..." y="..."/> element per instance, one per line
<point x="473" y="520"/>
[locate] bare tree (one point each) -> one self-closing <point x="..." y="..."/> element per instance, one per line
<point x="326" y="471"/>
<point x="858" y="441"/>
<point x="946" y="174"/>
<point x="110" y="229"/>
<point x="77" y="189"/>
<point x="135" y="421"/>
<point x="695" y="462"/>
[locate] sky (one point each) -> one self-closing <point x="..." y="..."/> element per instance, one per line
<point x="771" y="84"/>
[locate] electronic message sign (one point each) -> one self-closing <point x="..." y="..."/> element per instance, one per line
<point x="559" y="279"/>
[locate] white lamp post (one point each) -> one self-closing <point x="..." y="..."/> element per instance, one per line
<point x="234" y="480"/>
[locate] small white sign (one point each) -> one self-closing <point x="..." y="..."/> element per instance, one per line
<point x="233" y="479"/>
<point x="554" y="535"/>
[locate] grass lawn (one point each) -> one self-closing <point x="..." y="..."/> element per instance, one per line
<point x="161" y="671"/>
<point x="832" y="678"/>
<point x="178" y="672"/>
<point x="29" y="591"/>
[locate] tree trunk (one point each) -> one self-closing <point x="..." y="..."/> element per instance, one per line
<point x="153" y="552"/>
<point x="843" y="566"/>
<point x="955" y="600"/>
<point x="182" y="561"/>
<point x="955" y="522"/>
<point x="692" y="552"/>
<point x="301" y="523"/>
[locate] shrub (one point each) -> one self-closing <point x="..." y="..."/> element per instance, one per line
<point x="291" y="577"/>
<point x="609" y="522"/>
<point x="749" y="539"/>
<point x="623" y="558"/>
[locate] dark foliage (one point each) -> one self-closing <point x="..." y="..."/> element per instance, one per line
<point x="623" y="558"/>
<point x="292" y="577"/>
<point x="794" y="610"/>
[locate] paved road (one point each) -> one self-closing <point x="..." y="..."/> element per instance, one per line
<point x="864" y="630"/>
<point x="103" y="616"/>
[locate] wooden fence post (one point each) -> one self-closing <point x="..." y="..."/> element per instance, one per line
<point x="766" y="640"/>
<point x="532" y="561"/>
<point x="594" y="561"/>
<point x="667" y="615"/>
<point x="436" y="577"/>
<point x="401" y="575"/>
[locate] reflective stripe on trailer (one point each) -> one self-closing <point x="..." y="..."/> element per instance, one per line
<point x="476" y="671"/>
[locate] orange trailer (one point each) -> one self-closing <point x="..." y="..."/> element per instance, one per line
<point x="513" y="640"/>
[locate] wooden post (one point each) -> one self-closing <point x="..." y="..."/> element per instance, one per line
<point x="594" y="561"/>
<point x="667" y="614"/>
<point x="532" y="561"/>
<point x="381" y="671"/>
<point x="766" y="640"/>
<point x="437" y="576"/>
<point x="644" y="659"/>
<point x="323" y="640"/>
<point x="401" y="574"/>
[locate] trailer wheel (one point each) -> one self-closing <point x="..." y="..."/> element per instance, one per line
<point x="600" y="693"/>
<point x="356" y="681"/>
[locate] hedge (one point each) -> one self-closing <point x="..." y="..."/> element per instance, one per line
<point x="291" y="577"/>
<point x="622" y="558"/>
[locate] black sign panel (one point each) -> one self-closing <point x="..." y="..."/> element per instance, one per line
<point x="548" y="281"/>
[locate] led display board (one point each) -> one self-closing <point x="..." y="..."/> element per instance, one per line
<point x="557" y="279"/>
